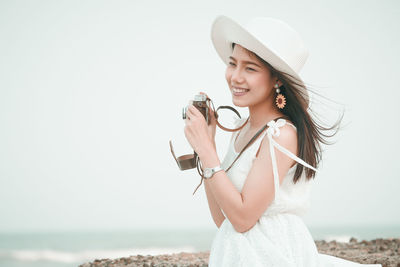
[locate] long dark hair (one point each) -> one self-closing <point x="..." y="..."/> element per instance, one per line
<point x="309" y="133"/>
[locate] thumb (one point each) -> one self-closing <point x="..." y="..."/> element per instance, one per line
<point x="212" y="114"/>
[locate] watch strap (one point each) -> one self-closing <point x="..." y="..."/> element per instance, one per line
<point x="212" y="170"/>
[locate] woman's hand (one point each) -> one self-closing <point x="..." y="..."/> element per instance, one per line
<point x="200" y="135"/>
<point x="213" y="123"/>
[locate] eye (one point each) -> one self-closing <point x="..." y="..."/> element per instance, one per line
<point x="231" y="63"/>
<point x="251" y="69"/>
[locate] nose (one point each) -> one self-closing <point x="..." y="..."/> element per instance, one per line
<point x="237" y="76"/>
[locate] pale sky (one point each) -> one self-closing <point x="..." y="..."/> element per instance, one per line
<point x="92" y="91"/>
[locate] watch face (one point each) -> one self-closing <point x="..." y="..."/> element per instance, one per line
<point x="207" y="173"/>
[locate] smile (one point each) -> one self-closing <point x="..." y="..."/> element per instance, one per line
<point x="239" y="91"/>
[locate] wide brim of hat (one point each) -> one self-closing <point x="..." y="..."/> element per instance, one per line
<point x="225" y="31"/>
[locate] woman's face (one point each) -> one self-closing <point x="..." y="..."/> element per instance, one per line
<point x="249" y="80"/>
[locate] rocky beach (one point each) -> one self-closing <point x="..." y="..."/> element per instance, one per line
<point x="381" y="251"/>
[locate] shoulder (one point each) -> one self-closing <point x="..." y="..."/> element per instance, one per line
<point x="287" y="133"/>
<point x="286" y="136"/>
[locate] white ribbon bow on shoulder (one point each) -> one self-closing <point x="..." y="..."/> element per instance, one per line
<point x="273" y="128"/>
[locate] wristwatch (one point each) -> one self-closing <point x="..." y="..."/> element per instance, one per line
<point x="209" y="172"/>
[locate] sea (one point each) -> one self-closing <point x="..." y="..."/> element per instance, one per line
<point x="73" y="248"/>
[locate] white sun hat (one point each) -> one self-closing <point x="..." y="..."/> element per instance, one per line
<point x="271" y="39"/>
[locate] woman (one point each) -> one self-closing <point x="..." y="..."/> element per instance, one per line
<point x="258" y="202"/>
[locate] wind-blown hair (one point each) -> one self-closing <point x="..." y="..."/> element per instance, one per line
<point x="309" y="133"/>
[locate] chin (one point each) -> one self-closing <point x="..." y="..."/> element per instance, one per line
<point x="238" y="103"/>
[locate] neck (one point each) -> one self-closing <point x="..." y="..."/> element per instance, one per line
<point x="262" y="113"/>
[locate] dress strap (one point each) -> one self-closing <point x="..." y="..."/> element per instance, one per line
<point x="273" y="130"/>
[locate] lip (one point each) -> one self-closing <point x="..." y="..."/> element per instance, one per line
<point x="241" y="93"/>
<point x="239" y="87"/>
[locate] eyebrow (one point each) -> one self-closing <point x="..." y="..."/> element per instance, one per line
<point x="246" y="62"/>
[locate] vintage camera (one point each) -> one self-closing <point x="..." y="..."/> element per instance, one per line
<point x="190" y="161"/>
<point x="200" y="102"/>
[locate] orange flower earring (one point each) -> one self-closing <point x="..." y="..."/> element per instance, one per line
<point x="280" y="99"/>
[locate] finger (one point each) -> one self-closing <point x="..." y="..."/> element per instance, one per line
<point x="213" y="120"/>
<point x="202" y="93"/>
<point x="211" y="111"/>
<point x="187" y="121"/>
<point x="193" y="111"/>
<point x="187" y="115"/>
<point x="212" y="114"/>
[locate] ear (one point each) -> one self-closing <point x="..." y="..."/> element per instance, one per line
<point x="279" y="82"/>
<point x="276" y="80"/>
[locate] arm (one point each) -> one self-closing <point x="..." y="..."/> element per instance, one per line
<point x="215" y="210"/>
<point x="245" y="208"/>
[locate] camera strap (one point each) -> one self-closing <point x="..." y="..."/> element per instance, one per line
<point x="243" y="149"/>
<point x="190" y="161"/>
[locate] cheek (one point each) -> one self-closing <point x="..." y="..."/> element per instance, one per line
<point x="257" y="82"/>
<point x="260" y="84"/>
<point x="228" y="75"/>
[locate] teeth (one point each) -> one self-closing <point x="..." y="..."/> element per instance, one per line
<point x="237" y="90"/>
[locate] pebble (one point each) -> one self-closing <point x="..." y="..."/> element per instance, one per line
<point x="377" y="251"/>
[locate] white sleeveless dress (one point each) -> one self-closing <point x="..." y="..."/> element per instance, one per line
<point x="279" y="238"/>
